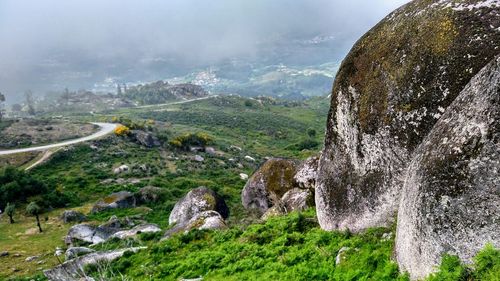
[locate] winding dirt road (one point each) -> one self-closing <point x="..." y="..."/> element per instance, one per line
<point x="106" y="128"/>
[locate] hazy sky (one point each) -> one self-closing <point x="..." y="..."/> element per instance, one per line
<point x="50" y="44"/>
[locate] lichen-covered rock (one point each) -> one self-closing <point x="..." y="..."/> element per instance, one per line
<point x="122" y="199"/>
<point x="72" y="270"/>
<point x="269" y="183"/>
<point x="196" y="201"/>
<point x="69" y="216"/>
<point x="451" y="196"/>
<point x="149" y="194"/>
<point x="203" y="220"/>
<point x="390" y="90"/>
<point x="307" y="173"/>
<point x="142" y="228"/>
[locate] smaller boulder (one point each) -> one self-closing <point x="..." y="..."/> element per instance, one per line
<point x="4" y="254"/>
<point x="249" y="158"/>
<point x="198" y="158"/>
<point x="149" y="194"/>
<point x="210" y="150"/>
<point x="74" y="252"/>
<point x="297" y="200"/>
<point x="243" y="176"/>
<point x="122" y="199"/>
<point x="196" y="201"/>
<point x="143" y="228"/>
<point x="145" y="138"/>
<point x="269" y="183"/>
<point x="121" y="169"/>
<point x="70" y="216"/>
<point x="203" y="220"/>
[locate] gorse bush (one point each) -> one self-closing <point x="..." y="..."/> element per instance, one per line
<point x="191" y="139"/>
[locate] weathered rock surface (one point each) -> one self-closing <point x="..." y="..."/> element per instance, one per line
<point x="451" y="196"/>
<point x="392" y="88"/>
<point x="143" y="228"/>
<point x="122" y="199"/>
<point x="69" y="216"/>
<point x="73" y="270"/>
<point x="74" y="252"/>
<point x="307" y="173"/>
<point x="121" y="169"/>
<point x="203" y="220"/>
<point x="145" y="138"/>
<point x="269" y="183"/>
<point x="196" y="201"/>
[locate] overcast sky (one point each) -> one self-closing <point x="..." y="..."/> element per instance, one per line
<point x="77" y="41"/>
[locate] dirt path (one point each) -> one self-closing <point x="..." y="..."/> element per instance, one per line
<point x="106" y="128"/>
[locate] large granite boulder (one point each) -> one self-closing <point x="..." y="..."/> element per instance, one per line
<point x="196" y="201"/>
<point x="122" y="199"/>
<point x="70" y="216"/>
<point x="391" y="89"/>
<point x="269" y="183"/>
<point x="203" y="220"/>
<point x="451" y="196"/>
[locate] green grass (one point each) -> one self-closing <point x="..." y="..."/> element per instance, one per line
<point x="292" y="247"/>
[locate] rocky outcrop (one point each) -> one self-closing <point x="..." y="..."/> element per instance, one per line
<point x="122" y="199"/>
<point x="143" y="228"/>
<point x="451" y="196"/>
<point x="195" y="202"/>
<point x="145" y="139"/>
<point x="390" y="91"/>
<point x="269" y="183"/>
<point x="70" y="216"/>
<point x="203" y="220"/>
<point x="73" y="270"/>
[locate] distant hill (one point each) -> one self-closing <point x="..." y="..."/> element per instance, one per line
<point x="161" y="92"/>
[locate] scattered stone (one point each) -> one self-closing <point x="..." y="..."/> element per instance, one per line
<point x="341" y="256"/>
<point x="122" y="199"/>
<point x="4" y="254"/>
<point x="196" y="201"/>
<point x="121" y="169"/>
<point x="235" y="148"/>
<point x="210" y="150"/>
<point x="275" y="211"/>
<point x="249" y="158"/>
<point x="387" y="236"/>
<point x="243" y="176"/>
<point x="239" y="165"/>
<point x="198" y="158"/>
<point x="31" y="258"/>
<point x="69" y="216"/>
